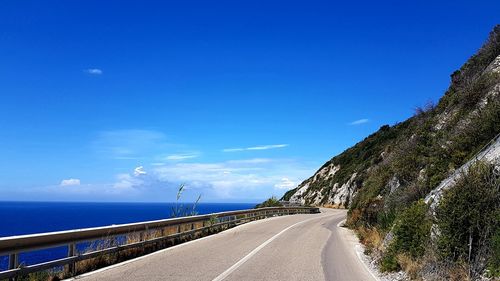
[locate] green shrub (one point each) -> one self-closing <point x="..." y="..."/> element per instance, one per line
<point x="289" y="194"/>
<point x="389" y="262"/>
<point x="494" y="263"/>
<point x="271" y="202"/>
<point x="412" y="230"/>
<point x="467" y="217"/>
<point x="386" y="219"/>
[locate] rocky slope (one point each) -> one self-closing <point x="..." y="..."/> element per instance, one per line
<point x="402" y="163"/>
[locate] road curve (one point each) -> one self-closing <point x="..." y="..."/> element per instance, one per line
<point x="298" y="247"/>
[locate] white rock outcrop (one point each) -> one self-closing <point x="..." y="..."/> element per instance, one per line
<point x="339" y="193"/>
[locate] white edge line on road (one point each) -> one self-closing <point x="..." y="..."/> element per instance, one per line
<point x="158" y="252"/>
<point x="358" y="249"/>
<point x="235" y="266"/>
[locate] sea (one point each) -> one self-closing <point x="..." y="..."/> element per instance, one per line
<point x="18" y="218"/>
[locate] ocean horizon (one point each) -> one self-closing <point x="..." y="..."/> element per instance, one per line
<point x="29" y="217"/>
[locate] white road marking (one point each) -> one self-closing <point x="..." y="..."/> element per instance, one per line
<point x="358" y="248"/>
<point x="235" y="266"/>
<point x="359" y="252"/>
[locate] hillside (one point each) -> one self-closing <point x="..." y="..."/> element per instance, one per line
<point x="421" y="151"/>
<point x="379" y="178"/>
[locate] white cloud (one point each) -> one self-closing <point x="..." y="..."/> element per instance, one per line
<point x="93" y="71"/>
<point x="260" y="147"/>
<point x="236" y="178"/>
<point x="359" y="122"/>
<point x="70" y="182"/>
<point x="126" y="181"/>
<point x="130" y="180"/>
<point x="180" y="157"/>
<point x="285" y="183"/>
<point x="139" y="171"/>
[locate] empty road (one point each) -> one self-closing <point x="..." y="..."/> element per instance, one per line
<point x="298" y="247"/>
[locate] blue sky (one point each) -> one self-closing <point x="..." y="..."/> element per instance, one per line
<point x="241" y="100"/>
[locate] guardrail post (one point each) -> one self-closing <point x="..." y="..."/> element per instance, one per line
<point x="144" y="234"/>
<point x="13" y="263"/>
<point x="72" y="253"/>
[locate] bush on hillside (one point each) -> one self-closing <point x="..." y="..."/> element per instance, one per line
<point x="467" y="218"/>
<point x="494" y="263"/>
<point x="412" y="230"/>
<point x="389" y="261"/>
<point x="411" y="236"/>
<point x="271" y="202"/>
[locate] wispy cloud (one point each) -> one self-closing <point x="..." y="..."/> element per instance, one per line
<point x="93" y="71"/>
<point x="359" y="122"/>
<point x="139" y="171"/>
<point x="260" y="147"/>
<point x="70" y="182"/>
<point x="127" y="181"/>
<point x="180" y="157"/>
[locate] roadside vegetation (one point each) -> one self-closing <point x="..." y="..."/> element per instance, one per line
<point x="460" y="241"/>
<point x="468" y="219"/>
<point x="179" y="209"/>
<point x="271" y="202"/>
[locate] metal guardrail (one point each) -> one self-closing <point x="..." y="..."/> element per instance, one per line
<point x="15" y="245"/>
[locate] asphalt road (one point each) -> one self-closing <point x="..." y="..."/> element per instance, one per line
<point x="298" y="247"/>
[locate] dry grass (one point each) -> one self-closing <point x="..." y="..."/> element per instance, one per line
<point x="112" y="258"/>
<point x="353" y="217"/>
<point x="371" y="238"/>
<point x="410" y="266"/>
<point x="459" y="273"/>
